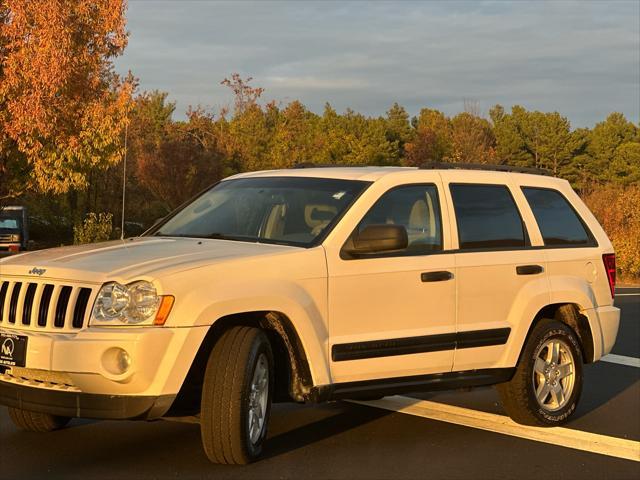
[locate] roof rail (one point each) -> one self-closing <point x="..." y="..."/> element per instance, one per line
<point x="321" y="165"/>
<point x="484" y="166"/>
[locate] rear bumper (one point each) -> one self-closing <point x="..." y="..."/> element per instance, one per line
<point x="609" y="317"/>
<point x="84" y="405"/>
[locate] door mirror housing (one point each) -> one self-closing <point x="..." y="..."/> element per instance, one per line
<point x="376" y="239"/>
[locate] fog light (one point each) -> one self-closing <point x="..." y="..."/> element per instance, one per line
<point x="116" y="361"/>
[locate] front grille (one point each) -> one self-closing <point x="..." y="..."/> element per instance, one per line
<point x="28" y="305"/>
<point x="5" y="237"/>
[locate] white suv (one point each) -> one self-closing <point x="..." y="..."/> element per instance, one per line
<point x="315" y="284"/>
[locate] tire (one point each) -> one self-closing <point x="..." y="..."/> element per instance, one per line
<point x="230" y="426"/>
<point x="544" y="391"/>
<point x="36" y="421"/>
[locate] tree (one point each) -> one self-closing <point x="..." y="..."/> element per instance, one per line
<point x="432" y="140"/>
<point x="62" y="107"/>
<point x="556" y="146"/>
<point x="293" y="140"/>
<point x="534" y="139"/>
<point x="245" y="96"/>
<point x="625" y="166"/>
<point x="576" y="170"/>
<point x="472" y="139"/>
<point x="398" y="128"/>
<point x="353" y="139"/>
<point x="178" y="167"/>
<point x="510" y="143"/>
<point x="605" y="140"/>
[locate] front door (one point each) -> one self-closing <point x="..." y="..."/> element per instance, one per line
<point x="393" y="314"/>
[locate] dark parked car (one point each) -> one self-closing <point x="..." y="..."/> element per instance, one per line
<point x="14" y="229"/>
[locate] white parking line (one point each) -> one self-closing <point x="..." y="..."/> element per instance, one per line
<point x="564" y="437"/>
<point x="622" y="360"/>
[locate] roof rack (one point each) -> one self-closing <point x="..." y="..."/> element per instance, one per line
<point x="316" y="165"/>
<point x="484" y="166"/>
<point x="442" y="166"/>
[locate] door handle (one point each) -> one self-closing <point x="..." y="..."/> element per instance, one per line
<point x="442" y="276"/>
<point x="529" y="269"/>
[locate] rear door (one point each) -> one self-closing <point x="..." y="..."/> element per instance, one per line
<point x="495" y="263"/>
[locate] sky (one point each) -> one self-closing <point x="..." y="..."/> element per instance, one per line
<point x="581" y="58"/>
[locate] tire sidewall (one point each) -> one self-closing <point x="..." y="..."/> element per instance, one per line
<point x="555" y="331"/>
<point x="260" y="346"/>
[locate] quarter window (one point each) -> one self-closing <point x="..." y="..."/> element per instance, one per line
<point x="558" y="221"/>
<point x="487" y="217"/>
<point x="417" y="209"/>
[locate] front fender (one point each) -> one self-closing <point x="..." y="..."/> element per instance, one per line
<point x="293" y="284"/>
<point x="295" y="302"/>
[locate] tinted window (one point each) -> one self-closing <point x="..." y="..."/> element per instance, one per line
<point x="487" y="217"/>
<point x="417" y="209"/>
<point x="558" y="222"/>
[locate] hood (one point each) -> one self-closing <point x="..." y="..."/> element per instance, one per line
<point x="126" y="260"/>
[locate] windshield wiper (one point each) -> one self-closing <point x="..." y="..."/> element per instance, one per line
<point x="220" y="236"/>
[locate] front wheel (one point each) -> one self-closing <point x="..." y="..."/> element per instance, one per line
<point x="36" y="421"/>
<point x="546" y="386"/>
<point x="236" y="396"/>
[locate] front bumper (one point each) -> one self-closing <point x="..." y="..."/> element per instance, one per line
<point x="160" y="358"/>
<point x="84" y="405"/>
<point x="12" y="247"/>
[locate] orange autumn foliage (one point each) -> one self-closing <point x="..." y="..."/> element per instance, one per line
<point x="62" y="107"/>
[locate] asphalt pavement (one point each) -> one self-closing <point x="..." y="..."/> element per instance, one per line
<point x="351" y="441"/>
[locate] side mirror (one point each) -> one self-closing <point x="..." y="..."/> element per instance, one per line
<point x="377" y="239"/>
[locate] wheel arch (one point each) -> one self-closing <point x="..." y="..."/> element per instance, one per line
<point x="571" y="315"/>
<point x="293" y="378"/>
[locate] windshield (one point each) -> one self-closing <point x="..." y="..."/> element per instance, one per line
<point x="8" y="223"/>
<point x="288" y="210"/>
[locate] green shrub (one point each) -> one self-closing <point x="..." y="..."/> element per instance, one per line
<point x="94" y="228"/>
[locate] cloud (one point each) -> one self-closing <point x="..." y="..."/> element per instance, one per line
<point x="315" y="83"/>
<point x="579" y="58"/>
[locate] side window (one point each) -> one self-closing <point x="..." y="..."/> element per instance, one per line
<point x="416" y="208"/>
<point x="487" y="217"/>
<point x="558" y="221"/>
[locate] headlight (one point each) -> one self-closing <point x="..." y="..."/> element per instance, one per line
<point x="137" y="303"/>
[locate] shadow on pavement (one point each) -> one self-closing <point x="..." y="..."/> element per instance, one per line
<point x="348" y="418"/>
<point x="603" y="383"/>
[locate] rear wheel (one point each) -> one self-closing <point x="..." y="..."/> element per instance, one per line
<point x="36" y="421"/>
<point x="236" y="396"/>
<point x="546" y="386"/>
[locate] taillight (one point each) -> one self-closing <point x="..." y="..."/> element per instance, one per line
<point x="609" y="260"/>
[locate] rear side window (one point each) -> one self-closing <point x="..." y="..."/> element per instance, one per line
<point x="558" y="221"/>
<point x="487" y="217"/>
